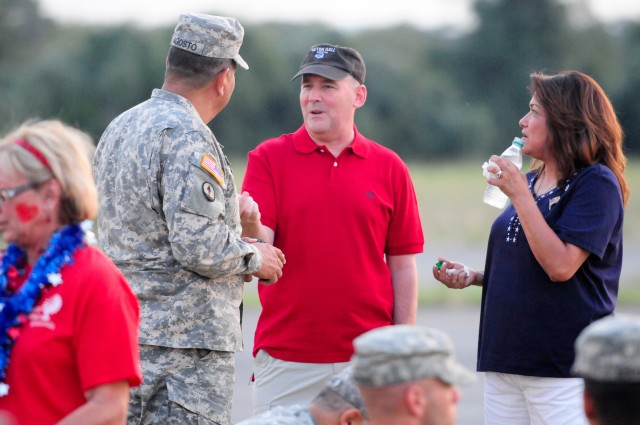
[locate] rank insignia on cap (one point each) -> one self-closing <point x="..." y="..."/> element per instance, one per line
<point x="209" y="164"/>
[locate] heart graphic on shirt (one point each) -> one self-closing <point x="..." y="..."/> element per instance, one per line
<point x="26" y="212"/>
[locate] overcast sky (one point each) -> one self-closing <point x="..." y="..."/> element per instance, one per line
<point x="343" y="14"/>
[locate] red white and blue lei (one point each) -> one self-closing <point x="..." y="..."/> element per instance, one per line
<point x="16" y="305"/>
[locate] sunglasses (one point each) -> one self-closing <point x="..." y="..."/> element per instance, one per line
<point x="7" y="194"/>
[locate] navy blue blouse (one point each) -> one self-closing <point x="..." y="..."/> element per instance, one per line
<point x="528" y="323"/>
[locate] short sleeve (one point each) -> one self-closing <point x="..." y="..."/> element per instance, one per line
<point x="593" y="210"/>
<point x="405" y="229"/>
<point x="106" y="330"/>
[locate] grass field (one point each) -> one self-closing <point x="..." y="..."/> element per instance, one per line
<point x="456" y="225"/>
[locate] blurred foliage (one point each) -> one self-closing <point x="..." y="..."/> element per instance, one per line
<point x="432" y="94"/>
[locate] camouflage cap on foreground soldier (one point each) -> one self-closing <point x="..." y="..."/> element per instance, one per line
<point x="609" y="350"/>
<point x="403" y="353"/>
<point x="608" y="358"/>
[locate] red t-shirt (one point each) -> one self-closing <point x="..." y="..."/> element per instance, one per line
<point x="334" y="219"/>
<point x="81" y="334"/>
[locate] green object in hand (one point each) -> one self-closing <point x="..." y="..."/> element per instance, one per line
<point x="439" y="264"/>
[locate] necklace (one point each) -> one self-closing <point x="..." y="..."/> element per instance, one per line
<point x="15" y="305"/>
<point x="539" y="191"/>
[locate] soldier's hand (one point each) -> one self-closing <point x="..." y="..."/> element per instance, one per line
<point x="272" y="262"/>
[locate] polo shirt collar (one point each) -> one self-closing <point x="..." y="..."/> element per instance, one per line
<point x="304" y="144"/>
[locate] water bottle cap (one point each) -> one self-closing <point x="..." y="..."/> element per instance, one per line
<point x="517" y="141"/>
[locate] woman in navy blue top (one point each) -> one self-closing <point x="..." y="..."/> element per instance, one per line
<point x="554" y="255"/>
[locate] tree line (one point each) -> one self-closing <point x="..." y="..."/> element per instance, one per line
<point x="432" y="94"/>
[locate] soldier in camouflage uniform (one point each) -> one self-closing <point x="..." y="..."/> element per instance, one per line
<point x="408" y="375"/>
<point x="170" y="218"/>
<point x="608" y="358"/>
<point x="339" y="403"/>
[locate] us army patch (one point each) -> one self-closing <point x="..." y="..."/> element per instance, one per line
<point x="209" y="164"/>
<point x="209" y="191"/>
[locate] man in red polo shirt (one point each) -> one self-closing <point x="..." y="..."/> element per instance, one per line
<point x="344" y="211"/>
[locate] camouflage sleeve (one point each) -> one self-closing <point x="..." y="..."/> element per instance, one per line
<point x="201" y="210"/>
<point x="282" y="415"/>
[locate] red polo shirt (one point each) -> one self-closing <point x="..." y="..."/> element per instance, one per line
<point x="335" y="219"/>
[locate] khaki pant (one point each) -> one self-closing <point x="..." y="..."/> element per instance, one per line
<point x="183" y="386"/>
<point x="281" y="383"/>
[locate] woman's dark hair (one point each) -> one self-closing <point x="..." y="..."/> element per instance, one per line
<point x="582" y="123"/>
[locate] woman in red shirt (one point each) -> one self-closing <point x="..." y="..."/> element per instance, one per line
<point x="68" y="319"/>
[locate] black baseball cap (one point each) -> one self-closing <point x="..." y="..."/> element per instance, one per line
<point x="333" y="62"/>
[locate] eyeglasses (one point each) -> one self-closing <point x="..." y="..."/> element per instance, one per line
<point x="7" y="194"/>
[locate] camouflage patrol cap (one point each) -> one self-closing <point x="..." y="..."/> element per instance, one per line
<point x="211" y="36"/>
<point x="403" y="353"/>
<point x="343" y="385"/>
<point x="608" y="350"/>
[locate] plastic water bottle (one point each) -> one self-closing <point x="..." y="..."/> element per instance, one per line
<point x="492" y="194"/>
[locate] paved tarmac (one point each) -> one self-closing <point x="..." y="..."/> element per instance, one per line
<point x="459" y="321"/>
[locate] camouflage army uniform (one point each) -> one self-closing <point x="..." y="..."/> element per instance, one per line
<point x="291" y="415"/>
<point x="169" y="220"/>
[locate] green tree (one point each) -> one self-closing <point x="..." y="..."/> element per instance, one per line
<point x="491" y="64"/>
<point x="24" y="37"/>
<point x="432" y="94"/>
<point x="23" y="30"/>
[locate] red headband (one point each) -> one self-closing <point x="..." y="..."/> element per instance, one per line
<point x="33" y="151"/>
